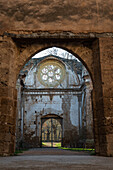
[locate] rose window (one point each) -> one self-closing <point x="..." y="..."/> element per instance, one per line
<point x="51" y="72"/>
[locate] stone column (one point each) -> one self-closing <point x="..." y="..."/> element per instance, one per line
<point x="8" y="96"/>
<point x="106" y="124"/>
<point x="79" y="112"/>
<point x="89" y="113"/>
<point x="98" y="107"/>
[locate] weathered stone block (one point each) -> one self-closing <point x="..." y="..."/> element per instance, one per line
<point x="7" y="101"/>
<point x="15" y="94"/>
<point x="7" y="137"/>
<point x="6" y="92"/>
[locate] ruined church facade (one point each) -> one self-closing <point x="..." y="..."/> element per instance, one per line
<point x="54" y="88"/>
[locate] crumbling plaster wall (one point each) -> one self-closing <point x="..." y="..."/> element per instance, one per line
<point x="71" y="78"/>
<point x="35" y="107"/>
<point x="77" y="129"/>
<point x="86" y="128"/>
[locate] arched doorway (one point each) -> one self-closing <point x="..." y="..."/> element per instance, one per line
<point x="20" y="51"/>
<point x="55" y="81"/>
<point x="51" y="131"/>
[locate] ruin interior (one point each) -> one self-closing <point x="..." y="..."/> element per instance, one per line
<point x="57" y="87"/>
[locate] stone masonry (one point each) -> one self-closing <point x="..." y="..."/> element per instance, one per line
<point x="84" y="28"/>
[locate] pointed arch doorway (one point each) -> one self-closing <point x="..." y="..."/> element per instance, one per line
<point x="51" y="131"/>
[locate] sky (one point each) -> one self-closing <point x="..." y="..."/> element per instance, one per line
<point x="57" y="52"/>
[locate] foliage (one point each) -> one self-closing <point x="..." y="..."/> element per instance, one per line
<point x="19" y="151"/>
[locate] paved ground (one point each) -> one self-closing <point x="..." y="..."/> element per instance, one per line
<point x="51" y="151"/>
<point x="54" y="159"/>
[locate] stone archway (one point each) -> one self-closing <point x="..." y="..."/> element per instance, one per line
<point x="19" y="52"/>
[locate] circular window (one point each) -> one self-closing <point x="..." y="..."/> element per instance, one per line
<point x="51" y="72"/>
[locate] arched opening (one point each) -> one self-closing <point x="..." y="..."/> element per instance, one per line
<point x="51" y="131"/>
<point x="54" y="82"/>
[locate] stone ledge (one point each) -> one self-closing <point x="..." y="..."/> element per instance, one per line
<point x="50" y="34"/>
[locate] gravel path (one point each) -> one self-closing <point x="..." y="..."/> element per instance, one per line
<point x="55" y="159"/>
<point x="52" y="151"/>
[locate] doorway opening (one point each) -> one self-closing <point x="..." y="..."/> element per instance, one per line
<point x="51" y="131"/>
<point x="54" y="102"/>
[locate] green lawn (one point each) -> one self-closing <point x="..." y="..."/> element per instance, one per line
<point x="91" y="150"/>
<point x="19" y="151"/>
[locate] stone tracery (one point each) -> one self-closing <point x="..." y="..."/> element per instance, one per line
<point x="51" y="73"/>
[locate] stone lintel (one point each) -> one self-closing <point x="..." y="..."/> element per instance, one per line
<point x="57" y="34"/>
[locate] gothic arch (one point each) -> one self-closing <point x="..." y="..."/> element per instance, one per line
<point x="84" y="54"/>
<point x="21" y="53"/>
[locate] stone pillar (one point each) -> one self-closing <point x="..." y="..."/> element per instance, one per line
<point x="98" y="107"/>
<point x="89" y="113"/>
<point x="8" y="96"/>
<point x="106" y="61"/>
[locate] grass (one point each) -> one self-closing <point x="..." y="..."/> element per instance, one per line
<point x="48" y="144"/>
<point x="58" y="145"/>
<point x="91" y="150"/>
<point x="19" y="151"/>
<point x="43" y="144"/>
<point x="77" y="149"/>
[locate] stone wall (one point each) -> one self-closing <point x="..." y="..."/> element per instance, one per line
<point x="106" y="63"/>
<point x="43" y="106"/>
<point x="96" y="54"/>
<point x="8" y="96"/>
<point x="54" y="15"/>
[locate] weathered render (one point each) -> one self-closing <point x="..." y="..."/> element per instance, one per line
<point x="85" y="28"/>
